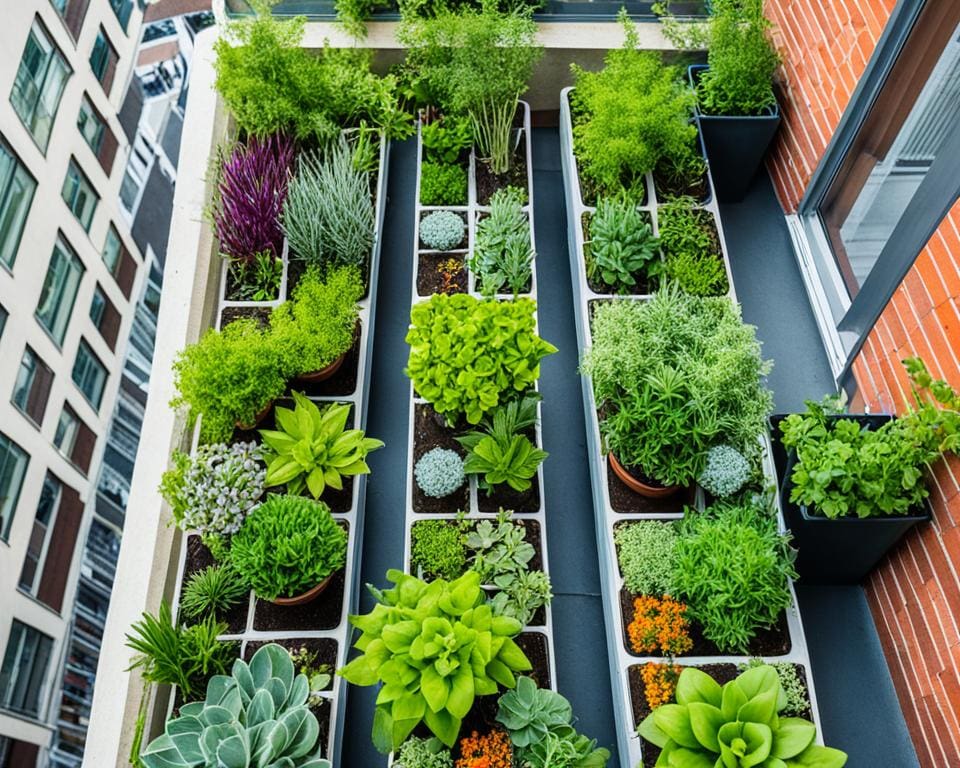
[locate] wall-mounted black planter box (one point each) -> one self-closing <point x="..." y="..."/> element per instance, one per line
<point x="735" y="145"/>
<point x="843" y="550"/>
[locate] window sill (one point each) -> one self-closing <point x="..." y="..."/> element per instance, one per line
<point x="27" y="416"/>
<point x="34" y="599"/>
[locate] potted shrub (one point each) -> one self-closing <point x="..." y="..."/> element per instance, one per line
<point x="230" y="378"/>
<point x="317" y="327"/>
<point x="737" y="110"/>
<point x="854" y="484"/>
<point x="313" y="449"/>
<point x="672" y="377"/>
<point x="288" y="549"/>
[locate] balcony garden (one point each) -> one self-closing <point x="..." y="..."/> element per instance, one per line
<point x="706" y="507"/>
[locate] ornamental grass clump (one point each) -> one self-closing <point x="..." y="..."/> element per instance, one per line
<point x="228" y="377"/>
<point x="288" y="546"/>
<point x="250" y="197"/>
<point x="434" y="647"/>
<point x="468" y="355"/>
<point x="213" y="491"/>
<point x="672" y="377"/>
<point x="213" y="590"/>
<point x="319" y="323"/>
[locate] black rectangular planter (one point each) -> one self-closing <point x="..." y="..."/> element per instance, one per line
<point x="735" y="145"/>
<point x="843" y="550"/>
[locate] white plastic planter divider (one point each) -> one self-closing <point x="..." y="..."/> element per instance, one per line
<point x="354" y="517"/>
<point x="630" y="744"/>
<point x="472" y="209"/>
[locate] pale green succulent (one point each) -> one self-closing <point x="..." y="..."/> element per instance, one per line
<point x="255" y="718"/>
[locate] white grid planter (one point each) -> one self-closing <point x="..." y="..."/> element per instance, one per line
<point x="354" y="517"/>
<point x="605" y="517"/>
<point x="473" y="210"/>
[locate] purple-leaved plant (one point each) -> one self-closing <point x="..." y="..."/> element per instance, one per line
<point x="253" y="186"/>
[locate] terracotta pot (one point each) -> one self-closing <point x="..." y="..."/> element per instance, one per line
<point x="307" y="597"/>
<point x="258" y="419"/>
<point x="312" y="377"/>
<point x="650" y="491"/>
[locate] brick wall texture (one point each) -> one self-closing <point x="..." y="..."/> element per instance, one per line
<point x="915" y="594"/>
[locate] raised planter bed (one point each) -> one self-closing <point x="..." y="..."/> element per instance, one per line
<point x="323" y="622"/>
<point x="614" y="504"/>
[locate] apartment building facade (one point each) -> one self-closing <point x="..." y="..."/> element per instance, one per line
<point x="70" y="280"/>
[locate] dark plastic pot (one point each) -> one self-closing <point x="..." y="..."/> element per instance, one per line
<point x="735" y="145"/>
<point x="843" y="550"/>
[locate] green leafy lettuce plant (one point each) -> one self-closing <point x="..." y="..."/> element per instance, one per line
<point x="476" y="62"/>
<point x="621" y="244"/>
<point x="313" y="449"/>
<point x="439" y="548"/>
<point x="628" y="116"/>
<point x="446" y="138"/>
<point x="171" y="654"/>
<point x="468" y="355"/>
<point x="645" y="551"/>
<point x="673" y="376"/>
<point x="228" y="377"/>
<point x="734" y="726"/>
<point x="434" y="647"/>
<point x="503" y="251"/>
<point x="733" y="569"/>
<point x="288" y="546"/>
<point x="501" y="452"/>
<point x="539" y="722"/>
<point x="213" y="590"/>
<point x="256" y="716"/>
<point x="272" y="84"/>
<point x="318" y="324"/>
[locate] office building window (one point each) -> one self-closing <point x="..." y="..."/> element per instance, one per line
<point x="89" y="374"/>
<point x="31" y="390"/>
<point x="39" y="536"/>
<point x="111" y="250"/>
<point x="16" y="194"/>
<point x="39" y="84"/>
<point x="59" y="290"/>
<point x="79" y="195"/>
<point x="3" y="319"/>
<point x="13" y="466"/>
<point x="91" y="125"/>
<point x="24" y="671"/>
<point x="122" y="9"/>
<point x="68" y="425"/>
<point x="103" y="60"/>
<point x="105" y="316"/>
<point x="73" y="13"/>
<point x="98" y="306"/>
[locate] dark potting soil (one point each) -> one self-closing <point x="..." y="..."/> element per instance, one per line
<point x="430" y="279"/>
<point x="229" y="314"/>
<point x="504" y="497"/>
<point x="459" y="246"/>
<point x="429" y="431"/>
<point x="322" y="713"/>
<point x="722" y="673"/>
<point x="322" y="613"/>
<point x="768" y="642"/>
<point x="343" y="382"/>
<point x="489" y="182"/>
<point x="323" y="647"/>
<point x="622" y="499"/>
<point x="644" y="285"/>
<point x="199" y="557"/>
<point x="698" y="189"/>
<point x="534" y="645"/>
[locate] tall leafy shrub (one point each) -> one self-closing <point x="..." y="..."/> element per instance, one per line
<point x="250" y="196"/>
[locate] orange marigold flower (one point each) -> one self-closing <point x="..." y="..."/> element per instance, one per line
<point x="659" y="682"/>
<point x="492" y="750"/>
<point x="659" y="624"/>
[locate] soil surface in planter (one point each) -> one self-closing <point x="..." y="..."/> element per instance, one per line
<point x="430" y="280"/>
<point x="325" y="648"/>
<point x="622" y="499"/>
<point x="199" y="557"/>
<point x="698" y="189"/>
<point x="504" y="497"/>
<point x="463" y="241"/>
<point x="489" y="182"/>
<point x="343" y="382"/>
<point x="229" y="314"/>
<point x="322" y="613"/>
<point x="429" y="432"/>
<point x="772" y="641"/>
<point x="534" y="645"/>
<point x="644" y="285"/>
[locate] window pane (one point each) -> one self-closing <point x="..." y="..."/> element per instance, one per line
<point x="24" y="670"/>
<point x="39" y="85"/>
<point x="90" y="125"/>
<point x="15" y="201"/>
<point x="33" y="559"/>
<point x="129" y="189"/>
<point x="13" y="466"/>
<point x="100" y="56"/>
<point x="122" y="9"/>
<point x="67" y="428"/>
<point x="89" y="374"/>
<point x="111" y="250"/>
<point x="3" y="320"/>
<point x="25" y="377"/>
<point x="79" y="195"/>
<point x="97" y="306"/>
<point x="59" y="291"/>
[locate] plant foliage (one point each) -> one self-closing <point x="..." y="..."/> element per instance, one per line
<point x="503" y="249"/>
<point x="645" y="551"/>
<point x="213" y="590"/>
<point x="621" y="244"/>
<point x="434" y="647"/>
<point x="442" y="230"/>
<point x="439" y="472"/>
<point x="691" y="251"/>
<point x="442" y="184"/>
<point x="439" y="548"/>
<point x="726" y="471"/>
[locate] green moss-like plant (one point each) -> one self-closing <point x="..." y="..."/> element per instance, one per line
<point x="228" y="377"/>
<point x="439" y="548"/>
<point x="645" y="551"/>
<point x="288" y="546"/>
<point x="318" y="324"/>
<point x="442" y="184"/>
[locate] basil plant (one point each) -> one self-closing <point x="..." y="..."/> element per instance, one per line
<point x="255" y="718"/>
<point x="434" y="648"/>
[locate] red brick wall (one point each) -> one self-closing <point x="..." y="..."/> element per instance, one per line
<point x="915" y="594"/>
